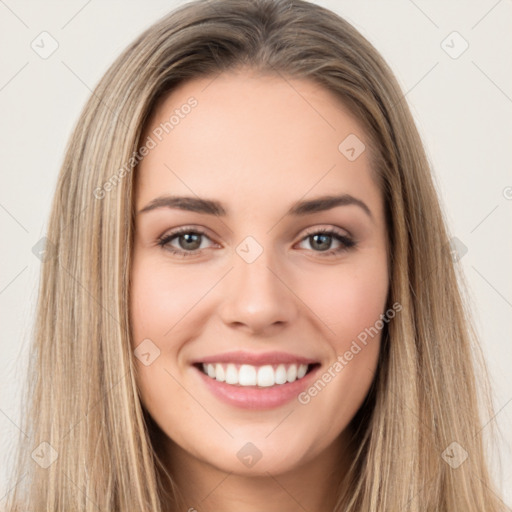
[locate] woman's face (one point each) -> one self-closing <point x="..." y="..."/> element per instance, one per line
<point x="251" y="291"/>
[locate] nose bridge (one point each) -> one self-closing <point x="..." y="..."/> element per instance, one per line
<point x="256" y="294"/>
<point x="253" y="269"/>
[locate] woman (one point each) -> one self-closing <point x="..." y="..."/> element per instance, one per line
<point x="256" y="368"/>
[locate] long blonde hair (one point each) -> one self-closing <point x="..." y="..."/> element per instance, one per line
<point x="82" y="398"/>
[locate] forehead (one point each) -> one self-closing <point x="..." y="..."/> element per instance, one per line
<point x="252" y="140"/>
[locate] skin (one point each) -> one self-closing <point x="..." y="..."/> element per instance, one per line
<point x="257" y="144"/>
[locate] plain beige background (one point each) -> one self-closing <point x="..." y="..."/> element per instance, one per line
<point x="461" y="99"/>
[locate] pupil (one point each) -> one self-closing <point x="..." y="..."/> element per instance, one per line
<point x="324" y="237"/>
<point x="189" y="238"/>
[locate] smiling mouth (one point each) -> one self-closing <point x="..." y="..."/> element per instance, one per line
<point x="264" y="376"/>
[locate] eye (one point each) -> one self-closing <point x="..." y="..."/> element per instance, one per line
<point x="188" y="239"/>
<point x="321" y="240"/>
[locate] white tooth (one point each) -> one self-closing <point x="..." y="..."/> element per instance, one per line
<point x="303" y="368"/>
<point x="280" y="376"/>
<point x="211" y="371"/>
<point x="231" y="374"/>
<point x="219" y="373"/>
<point x="247" y="375"/>
<point x="266" y="376"/>
<point x="291" y="374"/>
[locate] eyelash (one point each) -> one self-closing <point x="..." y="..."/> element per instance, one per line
<point x="346" y="242"/>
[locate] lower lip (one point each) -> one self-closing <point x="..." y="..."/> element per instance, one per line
<point x="253" y="397"/>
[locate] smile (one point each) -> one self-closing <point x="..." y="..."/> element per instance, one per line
<point x="256" y="381"/>
<point x="249" y="375"/>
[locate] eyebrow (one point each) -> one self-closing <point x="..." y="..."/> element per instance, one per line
<point x="212" y="207"/>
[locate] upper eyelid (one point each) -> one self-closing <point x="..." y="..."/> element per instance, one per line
<point x="206" y="231"/>
<point x="324" y="228"/>
<point x="185" y="229"/>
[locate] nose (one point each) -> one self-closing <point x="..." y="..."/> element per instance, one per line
<point x="257" y="296"/>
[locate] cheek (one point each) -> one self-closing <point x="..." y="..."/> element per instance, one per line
<point x="163" y="302"/>
<point x="154" y="313"/>
<point x="351" y="305"/>
<point x="161" y="298"/>
<point x="348" y="301"/>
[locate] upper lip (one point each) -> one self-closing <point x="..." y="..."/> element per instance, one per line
<point x="256" y="359"/>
